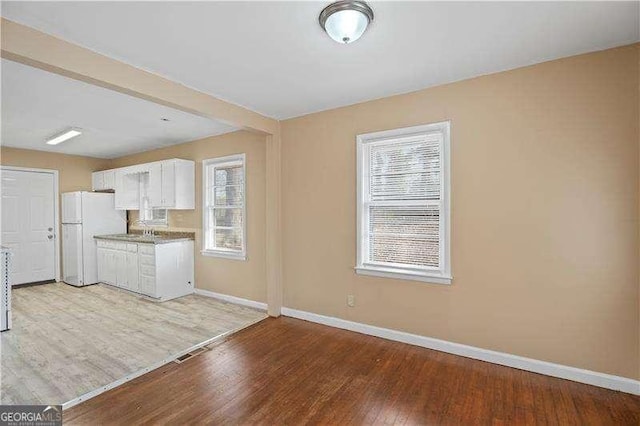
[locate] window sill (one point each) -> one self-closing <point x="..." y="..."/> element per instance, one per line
<point x="403" y="275"/>
<point x="224" y="254"/>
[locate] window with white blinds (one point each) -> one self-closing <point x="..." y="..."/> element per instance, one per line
<point x="403" y="203"/>
<point x="148" y="216"/>
<point x="224" y="213"/>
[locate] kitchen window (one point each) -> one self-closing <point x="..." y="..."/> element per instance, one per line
<point x="153" y="217"/>
<point x="403" y="204"/>
<point x="224" y="212"/>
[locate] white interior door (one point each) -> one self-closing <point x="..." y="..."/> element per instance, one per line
<point x="28" y="224"/>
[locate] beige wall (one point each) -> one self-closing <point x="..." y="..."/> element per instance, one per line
<point x="544" y="213"/>
<point x="245" y="279"/>
<point x="74" y="172"/>
<point x="544" y="223"/>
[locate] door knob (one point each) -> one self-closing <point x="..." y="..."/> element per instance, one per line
<point x="50" y="237"/>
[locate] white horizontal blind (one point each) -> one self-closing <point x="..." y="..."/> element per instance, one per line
<point x="404" y="235"/>
<point x="405" y="170"/>
<point x="403" y="198"/>
<point x="224" y="206"/>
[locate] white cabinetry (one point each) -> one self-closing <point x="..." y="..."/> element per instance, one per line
<point x="107" y="262"/>
<point x="168" y="184"/>
<point x="104" y="180"/>
<point x="161" y="271"/>
<point x="127" y="189"/>
<point x="172" y="184"/>
<point x="132" y="268"/>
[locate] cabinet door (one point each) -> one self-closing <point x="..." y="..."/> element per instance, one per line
<point x="168" y="183"/>
<point x="109" y="267"/>
<point x="154" y="185"/>
<point x="127" y="188"/>
<point x="148" y="285"/>
<point x="97" y="181"/>
<point x="119" y="188"/>
<point x="101" y="254"/>
<point x="109" y="179"/>
<point x="121" y="269"/>
<point x="132" y="191"/>
<point x="132" y="272"/>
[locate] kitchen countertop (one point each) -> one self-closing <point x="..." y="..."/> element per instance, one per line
<point x="146" y="239"/>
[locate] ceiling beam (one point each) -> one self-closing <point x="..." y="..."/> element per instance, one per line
<point x="32" y="47"/>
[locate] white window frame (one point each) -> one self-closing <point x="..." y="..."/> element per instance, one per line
<point x="440" y="275"/>
<point x="224" y="252"/>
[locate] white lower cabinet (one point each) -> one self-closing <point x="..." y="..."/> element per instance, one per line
<point x="120" y="255"/>
<point x="133" y="273"/>
<point x="106" y="264"/>
<point x="161" y="271"/>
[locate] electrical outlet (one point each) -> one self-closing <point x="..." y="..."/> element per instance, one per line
<point x="351" y="300"/>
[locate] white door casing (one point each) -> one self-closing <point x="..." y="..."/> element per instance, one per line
<point x="29" y="227"/>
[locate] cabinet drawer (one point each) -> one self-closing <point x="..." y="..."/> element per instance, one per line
<point x="102" y="244"/>
<point x="148" y="270"/>
<point x="132" y="248"/>
<point x="112" y="245"/>
<point x="147" y="249"/>
<point x="145" y="259"/>
<point x="120" y="246"/>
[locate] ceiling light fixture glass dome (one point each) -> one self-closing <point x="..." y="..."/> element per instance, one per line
<point x="345" y="21"/>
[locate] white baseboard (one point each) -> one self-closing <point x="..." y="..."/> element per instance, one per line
<point x="594" y="378"/>
<point x="233" y="299"/>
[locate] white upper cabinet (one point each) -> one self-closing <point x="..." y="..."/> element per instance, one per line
<point x="154" y="186"/>
<point x="97" y="181"/>
<point x="109" y="179"/>
<point x="167" y="184"/>
<point x="172" y="184"/>
<point x="127" y="189"/>
<point x="104" y="180"/>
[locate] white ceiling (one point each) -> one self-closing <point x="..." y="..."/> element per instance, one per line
<point x="37" y="105"/>
<point x="273" y="57"/>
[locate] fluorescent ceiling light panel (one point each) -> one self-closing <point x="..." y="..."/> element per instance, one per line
<point x="64" y="136"/>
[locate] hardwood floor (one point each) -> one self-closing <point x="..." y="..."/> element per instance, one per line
<point x="288" y="372"/>
<point x="68" y="341"/>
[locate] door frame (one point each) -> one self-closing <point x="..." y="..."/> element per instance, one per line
<point x="56" y="210"/>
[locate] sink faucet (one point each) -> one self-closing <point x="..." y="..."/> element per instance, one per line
<point x="148" y="231"/>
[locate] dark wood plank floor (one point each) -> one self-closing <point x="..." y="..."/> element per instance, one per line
<point x="288" y="372"/>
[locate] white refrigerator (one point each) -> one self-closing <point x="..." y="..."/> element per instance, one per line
<point x="85" y="214"/>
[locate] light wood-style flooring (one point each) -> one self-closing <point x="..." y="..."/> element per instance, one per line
<point x="289" y="372"/>
<point x="69" y="341"/>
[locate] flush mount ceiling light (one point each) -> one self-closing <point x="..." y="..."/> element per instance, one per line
<point x="345" y="21"/>
<point x="64" y="136"/>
